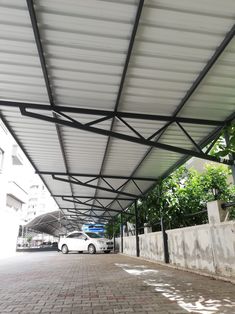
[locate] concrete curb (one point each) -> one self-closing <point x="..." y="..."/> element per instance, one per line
<point x="197" y="272"/>
<point x="30" y="250"/>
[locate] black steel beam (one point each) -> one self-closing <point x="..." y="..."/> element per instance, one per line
<point x="217" y="136"/>
<point x="97" y="210"/>
<point x="80" y="220"/>
<point x="203" y="143"/>
<point x="128" y="56"/>
<point x="227" y="39"/>
<point x="96" y="176"/>
<point x="112" y="114"/>
<point x="78" y="214"/>
<point x="94" y="197"/>
<point x="40" y="49"/>
<point x="229" y="36"/>
<point x="97" y="112"/>
<point x="92" y="217"/>
<point x="75" y="214"/>
<point x="125" y="137"/>
<point x="190" y="138"/>
<point x="93" y="186"/>
<point x="38" y="41"/>
<point x="93" y="207"/>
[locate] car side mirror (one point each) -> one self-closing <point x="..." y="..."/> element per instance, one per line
<point x="85" y="239"/>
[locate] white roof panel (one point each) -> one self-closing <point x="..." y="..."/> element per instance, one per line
<point x="87" y="55"/>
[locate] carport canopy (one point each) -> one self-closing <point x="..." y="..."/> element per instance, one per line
<point x="108" y="97"/>
<point x="54" y="223"/>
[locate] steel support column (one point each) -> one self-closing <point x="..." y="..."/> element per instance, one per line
<point x="137" y="231"/>
<point x="121" y="233"/>
<point x="231" y="156"/>
<point x="114" y="240"/>
<point x="165" y="242"/>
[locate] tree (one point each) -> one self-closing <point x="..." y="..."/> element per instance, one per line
<point x="186" y="193"/>
<point x="222" y="148"/>
<point x="181" y="198"/>
<point x="29" y="239"/>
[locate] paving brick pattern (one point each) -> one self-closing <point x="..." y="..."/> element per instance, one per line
<point x="50" y="282"/>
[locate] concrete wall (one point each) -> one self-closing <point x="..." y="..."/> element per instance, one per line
<point x="129" y="244"/>
<point x="151" y="246"/>
<point x="223" y="239"/>
<point x="191" y="248"/>
<point x="207" y="248"/>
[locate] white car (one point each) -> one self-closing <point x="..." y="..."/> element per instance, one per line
<point x="80" y="241"/>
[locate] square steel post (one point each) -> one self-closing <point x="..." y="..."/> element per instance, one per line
<point x="165" y="242"/>
<point x="121" y="233"/>
<point x="231" y="156"/>
<point x="114" y="240"/>
<point x="137" y="231"/>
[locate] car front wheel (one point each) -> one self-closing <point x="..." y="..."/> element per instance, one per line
<point x="91" y="249"/>
<point x="64" y="249"/>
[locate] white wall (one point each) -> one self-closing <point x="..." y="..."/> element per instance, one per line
<point x="9" y="227"/>
<point x="207" y="248"/>
<point x="129" y="245"/>
<point x="191" y="248"/>
<point x="223" y="237"/>
<point x="210" y="248"/>
<point x="151" y="246"/>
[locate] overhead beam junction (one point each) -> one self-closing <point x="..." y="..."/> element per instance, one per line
<point x="61" y="118"/>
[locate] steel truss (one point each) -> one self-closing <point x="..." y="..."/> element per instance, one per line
<point x="96" y="176"/>
<point x="59" y="116"/>
<point x="97" y="210"/>
<point x="76" y="222"/>
<point x="93" y="207"/>
<point x="90" y="200"/>
<point x="73" y="180"/>
<point x="94" y="197"/>
<point x="90" y="203"/>
<point x="79" y="214"/>
<point x="75" y="214"/>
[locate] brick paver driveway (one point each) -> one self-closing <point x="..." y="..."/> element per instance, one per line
<point x="50" y="282"/>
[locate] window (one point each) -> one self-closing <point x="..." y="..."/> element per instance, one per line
<point x="76" y="236"/>
<point x="93" y="235"/>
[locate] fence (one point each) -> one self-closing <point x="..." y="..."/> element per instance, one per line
<point x="209" y="248"/>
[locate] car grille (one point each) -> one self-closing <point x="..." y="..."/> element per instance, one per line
<point x="109" y="243"/>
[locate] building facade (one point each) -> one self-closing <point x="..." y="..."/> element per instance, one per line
<point x="23" y="195"/>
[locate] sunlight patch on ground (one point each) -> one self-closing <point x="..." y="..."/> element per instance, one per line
<point x="138" y="270"/>
<point x="200" y="305"/>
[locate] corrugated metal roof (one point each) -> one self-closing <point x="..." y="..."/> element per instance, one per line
<point x="54" y="223"/>
<point x="170" y="58"/>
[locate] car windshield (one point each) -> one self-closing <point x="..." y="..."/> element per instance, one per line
<point x="93" y="235"/>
